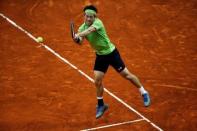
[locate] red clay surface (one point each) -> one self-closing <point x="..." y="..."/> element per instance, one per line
<point x="157" y="40"/>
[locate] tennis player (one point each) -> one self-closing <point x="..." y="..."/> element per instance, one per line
<point x="106" y="54"/>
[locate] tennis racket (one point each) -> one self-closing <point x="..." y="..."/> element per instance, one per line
<point x="72" y="30"/>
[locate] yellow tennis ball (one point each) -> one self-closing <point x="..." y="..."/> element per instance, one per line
<point x="39" y="39"/>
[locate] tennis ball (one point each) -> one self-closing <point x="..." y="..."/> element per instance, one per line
<point x="39" y="39"/>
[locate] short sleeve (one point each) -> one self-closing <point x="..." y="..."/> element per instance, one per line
<point x="81" y="28"/>
<point x="97" y="24"/>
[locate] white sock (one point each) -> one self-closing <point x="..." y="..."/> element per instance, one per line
<point x="142" y="90"/>
<point x="99" y="97"/>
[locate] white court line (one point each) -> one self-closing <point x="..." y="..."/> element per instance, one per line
<point x="81" y="72"/>
<point x="111" y="125"/>
<point x="177" y="87"/>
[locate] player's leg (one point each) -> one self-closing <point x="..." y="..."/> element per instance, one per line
<point x="118" y="64"/>
<point x="100" y="69"/>
<point x="101" y="107"/>
<point x="133" y="79"/>
<point x="98" y="75"/>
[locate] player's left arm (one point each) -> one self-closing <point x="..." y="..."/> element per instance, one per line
<point x="86" y="32"/>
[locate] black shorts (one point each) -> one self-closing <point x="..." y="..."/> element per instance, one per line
<point x="102" y="62"/>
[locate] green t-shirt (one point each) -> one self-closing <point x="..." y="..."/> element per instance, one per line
<point x="98" y="39"/>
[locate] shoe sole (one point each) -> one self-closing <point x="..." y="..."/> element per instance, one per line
<point x="147" y="105"/>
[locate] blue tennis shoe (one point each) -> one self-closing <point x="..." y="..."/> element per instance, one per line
<point x="146" y="99"/>
<point x="100" y="110"/>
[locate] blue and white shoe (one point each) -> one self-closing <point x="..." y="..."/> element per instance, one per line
<point x="100" y="110"/>
<point x="146" y="99"/>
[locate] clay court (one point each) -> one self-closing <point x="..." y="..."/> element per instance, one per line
<point x="50" y="86"/>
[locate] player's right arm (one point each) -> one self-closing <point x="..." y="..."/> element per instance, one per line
<point x="86" y="32"/>
<point x="81" y="34"/>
